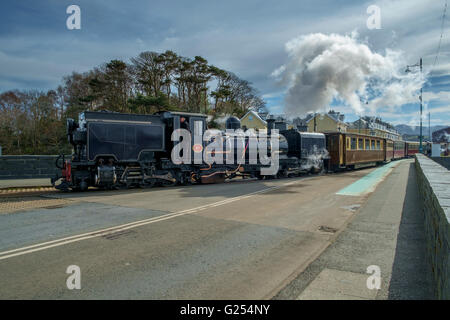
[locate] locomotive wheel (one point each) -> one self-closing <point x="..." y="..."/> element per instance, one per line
<point x="183" y="179"/>
<point x="281" y="174"/>
<point x="149" y="183"/>
<point x="167" y="183"/>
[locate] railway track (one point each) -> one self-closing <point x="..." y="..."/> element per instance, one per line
<point x="25" y="198"/>
<point x="25" y="191"/>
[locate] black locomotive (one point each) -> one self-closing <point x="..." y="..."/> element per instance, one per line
<point x="114" y="150"/>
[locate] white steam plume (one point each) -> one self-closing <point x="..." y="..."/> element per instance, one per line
<point x="326" y="67"/>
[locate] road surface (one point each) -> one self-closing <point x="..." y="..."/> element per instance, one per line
<point x="238" y="240"/>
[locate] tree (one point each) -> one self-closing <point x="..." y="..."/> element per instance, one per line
<point x="150" y="104"/>
<point x="169" y="61"/>
<point x="148" y="73"/>
<point x="116" y="85"/>
<point x="222" y="91"/>
<point x="33" y="122"/>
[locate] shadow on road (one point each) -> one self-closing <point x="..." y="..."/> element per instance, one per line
<point x="228" y="189"/>
<point x="411" y="276"/>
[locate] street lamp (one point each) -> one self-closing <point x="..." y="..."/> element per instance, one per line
<point x="408" y="70"/>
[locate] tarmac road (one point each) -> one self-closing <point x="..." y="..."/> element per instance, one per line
<point x="238" y="240"/>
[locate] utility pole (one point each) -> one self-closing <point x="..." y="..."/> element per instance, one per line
<point x="420" y="137"/>
<point x="420" y="98"/>
<point x="429" y="126"/>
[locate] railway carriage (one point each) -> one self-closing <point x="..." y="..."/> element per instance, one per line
<point x="351" y="150"/>
<point x="395" y="149"/>
<point x="412" y="147"/>
<point x="399" y="151"/>
<point x="389" y="150"/>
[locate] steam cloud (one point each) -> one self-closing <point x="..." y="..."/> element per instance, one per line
<point x="326" y="67"/>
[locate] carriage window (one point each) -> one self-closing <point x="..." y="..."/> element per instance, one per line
<point x="348" y="143"/>
<point x="360" y="144"/>
<point x="367" y="144"/>
<point x="378" y="145"/>
<point x="353" y="143"/>
<point x="372" y="144"/>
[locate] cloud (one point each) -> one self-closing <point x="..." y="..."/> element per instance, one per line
<point x="323" y="68"/>
<point x="246" y="37"/>
<point x="442" y="96"/>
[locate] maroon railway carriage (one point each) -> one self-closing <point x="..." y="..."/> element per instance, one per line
<point x="412" y="147"/>
<point x="395" y="149"/>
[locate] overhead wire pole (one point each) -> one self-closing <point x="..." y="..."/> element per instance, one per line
<point x="421" y="88"/>
<point x="434" y="64"/>
<point x="442" y="34"/>
<point x="420" y="98"/>
<point x="429" y="126"/>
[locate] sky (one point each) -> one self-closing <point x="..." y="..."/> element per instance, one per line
<point x="247" y="37"/>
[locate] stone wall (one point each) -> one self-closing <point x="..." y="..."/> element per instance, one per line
<point x="27" y="167"/>
<point x="434" y="186"/>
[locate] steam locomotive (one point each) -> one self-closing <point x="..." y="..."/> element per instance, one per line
<point x="115" y="150"/>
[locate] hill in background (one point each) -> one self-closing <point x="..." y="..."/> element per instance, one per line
<point x="410" y="133"/>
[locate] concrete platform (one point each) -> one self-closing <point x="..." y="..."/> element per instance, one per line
<point x="333" y="284"/>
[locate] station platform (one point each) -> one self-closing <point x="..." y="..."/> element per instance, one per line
<point x="388" y="234"/>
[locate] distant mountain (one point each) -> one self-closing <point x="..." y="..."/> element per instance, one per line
<point x="404" y="129"/>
